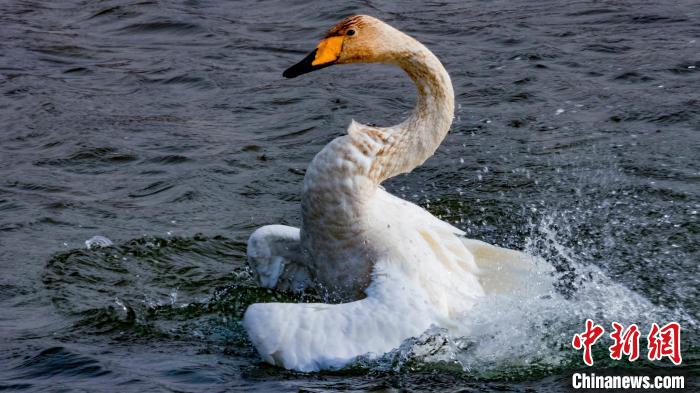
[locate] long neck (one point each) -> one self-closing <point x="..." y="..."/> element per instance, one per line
<point x="345" y="174"/>
<point x="416" y="139"/>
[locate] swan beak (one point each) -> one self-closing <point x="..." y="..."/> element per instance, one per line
<point x="325" y="54"/>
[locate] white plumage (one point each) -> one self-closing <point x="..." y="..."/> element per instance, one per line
<point x="398" y="268"/>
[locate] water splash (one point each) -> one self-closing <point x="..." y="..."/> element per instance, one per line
<point x="529" y="329"/>
<point x="97" y="242"/>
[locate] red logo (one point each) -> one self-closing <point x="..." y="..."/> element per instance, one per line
<point x="665" y="342"/>
<point x="586" y="340"/>
<point x="661" y="341"/>
<point x="625" y="343"/>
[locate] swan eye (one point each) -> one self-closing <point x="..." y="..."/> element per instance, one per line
<point x="351" y="32"/>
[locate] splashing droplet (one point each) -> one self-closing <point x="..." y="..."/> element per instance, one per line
<point x="97" y="242"/>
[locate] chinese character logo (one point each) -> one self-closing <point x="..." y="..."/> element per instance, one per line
<point x="665" y="342"/>
<point x="661" y="341"/>
<point x="586" y="340"/>
<point x="626" y="342"/>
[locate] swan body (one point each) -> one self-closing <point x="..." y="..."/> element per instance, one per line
<point x="397" y="268"/>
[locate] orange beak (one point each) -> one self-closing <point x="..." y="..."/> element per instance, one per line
<point x="325" y="54"/>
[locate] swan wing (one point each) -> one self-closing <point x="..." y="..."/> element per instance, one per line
<point x="497" y="269"/>
<point x="274" y="255"/>
<point x="504" y="270"/>
<point x="314" y="336"/>
<point x="418" y="215"/>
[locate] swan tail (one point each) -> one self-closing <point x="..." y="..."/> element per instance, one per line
<point x="501" y="269"/>
<point x="274" y="255"/>
<point x="314" y="336"/>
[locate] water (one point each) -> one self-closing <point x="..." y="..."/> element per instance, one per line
<point x="166" y="128"/>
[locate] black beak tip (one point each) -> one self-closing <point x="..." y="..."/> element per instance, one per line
<point x="289" y="73"/>
<point x="303" y="66"/>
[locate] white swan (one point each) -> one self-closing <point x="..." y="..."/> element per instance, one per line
<point x="399" y="268"/>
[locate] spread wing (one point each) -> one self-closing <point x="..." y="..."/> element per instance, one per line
<point x="274" y="255"/>
<point x="315" y="336"/>
<point x="437" y="275"/>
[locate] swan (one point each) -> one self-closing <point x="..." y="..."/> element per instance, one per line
<point x="396" y="268"/>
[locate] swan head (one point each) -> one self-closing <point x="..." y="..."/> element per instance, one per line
<point x="356" y="39"/>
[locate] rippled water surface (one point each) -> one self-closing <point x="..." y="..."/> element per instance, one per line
<point x="166" y="127"/>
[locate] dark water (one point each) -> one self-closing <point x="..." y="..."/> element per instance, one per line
<point x="166" y="127"/>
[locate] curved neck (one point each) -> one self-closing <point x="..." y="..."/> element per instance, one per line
<point x="416" y="139"/>
<point x="345" y="174"/>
